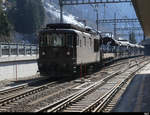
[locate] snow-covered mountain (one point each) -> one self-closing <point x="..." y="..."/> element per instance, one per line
<point x="72" y="14"/>
<point x="53" y="14"/>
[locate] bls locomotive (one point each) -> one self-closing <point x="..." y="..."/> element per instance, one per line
<point x="65" y="49"/>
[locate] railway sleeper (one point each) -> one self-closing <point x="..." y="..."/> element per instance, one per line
<point x="2" y="110"/>
<point x="22" y="96"/>
<point x="11" y="100"/>
<point x="14" y="103"/>
<point x="111" y="105"/>
<point x="80" y="104"/>
<point x="6" y="107"/>
<point x="87" y="101"/>
<point x="76" y="107"/>
<point x="2" y="104"/>
<point x="29" y="93"/>
<point x="10" y="105"/>
<point x="34" y="91"/>
<point x="6" y="102"/>
<point x="106" y="110"/>
<point x="71" y="111"/>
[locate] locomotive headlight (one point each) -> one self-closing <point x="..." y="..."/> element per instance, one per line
<point x="68" y="53"/>
<point x="43" y="53"/>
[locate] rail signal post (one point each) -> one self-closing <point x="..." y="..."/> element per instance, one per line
<point x="115" y="21"/>
<point x="115" y="26"/>
<point x="96" y="10"/>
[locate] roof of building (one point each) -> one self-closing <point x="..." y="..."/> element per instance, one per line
<point x="142" y="8"/>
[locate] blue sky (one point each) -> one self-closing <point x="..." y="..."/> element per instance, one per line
<point x="122" y="10"/>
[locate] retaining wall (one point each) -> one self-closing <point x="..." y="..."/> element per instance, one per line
<point x="16" y="67"/>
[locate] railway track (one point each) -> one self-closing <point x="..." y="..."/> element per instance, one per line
<point x="77" y="96"/>
<point x="10" y="96"/>
<point x="19" y="87"/>
<point x="109" y="100"/>
<point x="11" y="100"/>
<point x="94" y="97"/>
<point x="124" y="61"/>
<point x="11" y="89"/>
<point x="16" y="96"/>
<point x="7" y="91"/>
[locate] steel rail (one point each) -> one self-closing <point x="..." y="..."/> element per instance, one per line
<point x="14" y="97"/>
<point x="111" y="93"/>
<point x="18" y="87"/>
<point x="2" y="92"/>
<point x="79" y="95"/>
<point x="76" y="96"/>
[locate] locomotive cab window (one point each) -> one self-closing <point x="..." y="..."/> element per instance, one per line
<point x="77" y="40"/>
<point x="80" y="42"/>
<point x="57" y="39"/>
<point x="84" y="41"/>
<point x="90" y="42"/>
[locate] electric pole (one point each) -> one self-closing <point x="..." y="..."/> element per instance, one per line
<point x="61" y="11"/>
<point x="115" y="26"/>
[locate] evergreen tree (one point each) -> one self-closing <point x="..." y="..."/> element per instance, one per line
<point x="4" y="26"/>
<point x="26" y="15"/>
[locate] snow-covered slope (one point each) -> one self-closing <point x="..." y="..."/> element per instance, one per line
<point x="53" y="14"/>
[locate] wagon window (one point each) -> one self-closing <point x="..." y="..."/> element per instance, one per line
<point x="77" y="40"/>
<point x="57" y="39"/>
<point x="96" y="45"/>
<point x="80" y="43"/>
<point x="84" y="40"/>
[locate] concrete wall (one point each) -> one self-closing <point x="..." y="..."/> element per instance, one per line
<point x="18" y="67"/>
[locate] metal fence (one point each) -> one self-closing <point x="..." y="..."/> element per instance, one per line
<point x="18" y="49"/>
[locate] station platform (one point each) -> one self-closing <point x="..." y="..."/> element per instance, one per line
<point x="13" y="58"/>
<point x="136" y="98"/>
